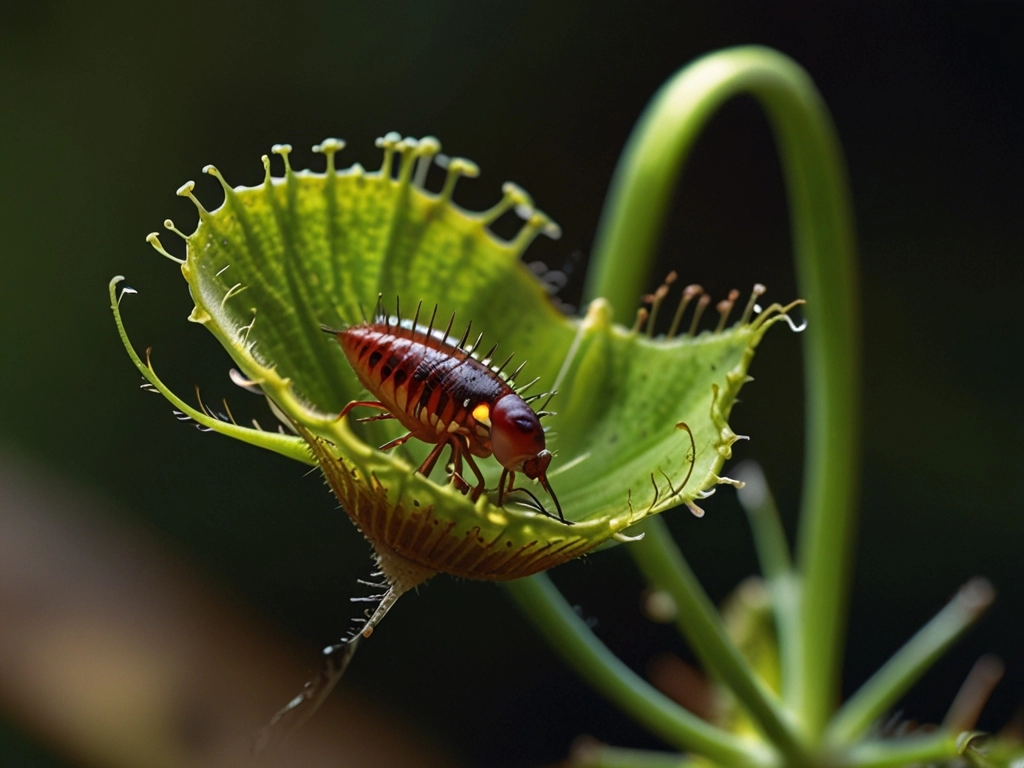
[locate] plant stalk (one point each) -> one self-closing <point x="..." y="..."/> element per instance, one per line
<point x="664" y="566"/>
<point x="821" y="221"/>
<point x="595" y="663"/>
<point x="911" y="661"/>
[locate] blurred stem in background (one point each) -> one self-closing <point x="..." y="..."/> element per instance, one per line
<point x="810" y="596"/>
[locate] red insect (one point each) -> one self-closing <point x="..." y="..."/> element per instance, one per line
<point x="443" y="395"/>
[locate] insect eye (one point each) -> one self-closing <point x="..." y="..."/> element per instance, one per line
<point x="524" y="423"/>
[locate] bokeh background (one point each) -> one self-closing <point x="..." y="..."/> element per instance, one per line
<point x="105" y="109"/>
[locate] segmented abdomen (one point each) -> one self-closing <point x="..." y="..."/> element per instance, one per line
<point x="430" y="386"/>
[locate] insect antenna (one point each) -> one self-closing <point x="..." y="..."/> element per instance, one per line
<point x="536" y="506"/>
<point x="558" y="507"/>
<point x="448" y="330"/>
<point x="462" y="342"/>
<point x="540" y="507"/>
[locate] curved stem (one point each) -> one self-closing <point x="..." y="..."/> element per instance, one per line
<point x="661" y="562"/>
<point x="602" y="669"/>
<point x="821" y="222"/>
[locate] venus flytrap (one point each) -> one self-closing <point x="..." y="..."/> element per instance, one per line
<point x="641" y="423"/>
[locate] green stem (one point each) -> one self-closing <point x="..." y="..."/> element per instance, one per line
<point x="899" y="753"/>
<point x="821" y="221"/>
<point x="783" y="582"/>
<point x="911" y="661"/>
<point x="615" y="757"/>
<point x="602" y="669"/>
<point x="664" y="566"/>
<point x="759" y="504"/>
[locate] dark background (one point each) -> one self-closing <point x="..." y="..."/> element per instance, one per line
<point x="104" y="112"/>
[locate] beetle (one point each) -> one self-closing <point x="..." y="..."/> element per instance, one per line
<point x="444" y="395"/>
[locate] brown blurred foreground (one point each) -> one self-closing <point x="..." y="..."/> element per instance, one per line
<point x="113" y="653"/>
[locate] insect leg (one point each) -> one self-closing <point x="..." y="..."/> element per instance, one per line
<point x="505" y="472"/>
<point x="361" y="404"/>
<point x="456" y="461"/>
<point x="395" y="443"/>
<point x="381" y="417"/>
<point x="479" y="476"/>
<point x="428" y="465"/>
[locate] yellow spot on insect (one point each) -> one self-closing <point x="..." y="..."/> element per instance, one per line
<point x="482" y="413"/>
